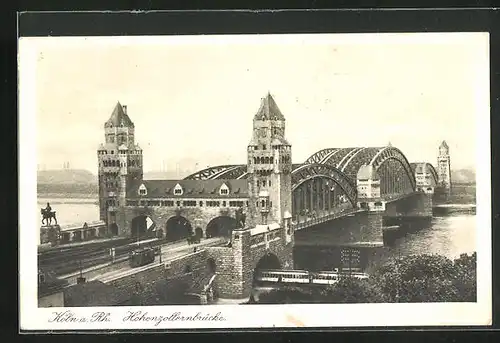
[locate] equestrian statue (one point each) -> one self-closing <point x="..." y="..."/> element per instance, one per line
<point x="48" y="214"/>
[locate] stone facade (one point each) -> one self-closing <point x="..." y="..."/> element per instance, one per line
<point x="198" y="217"/>
<point x="52" y="300"/>
<point x="265" y="197"/>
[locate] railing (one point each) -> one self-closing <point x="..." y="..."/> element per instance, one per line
<point x="325" y="218"/>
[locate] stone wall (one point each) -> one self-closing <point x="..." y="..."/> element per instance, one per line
<point x="227" y="281"/>
<point x="156" y="285"/>
<point x="141" y="285"/>
<point x="52" y="300"/>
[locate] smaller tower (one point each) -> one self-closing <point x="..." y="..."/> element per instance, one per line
<point x="444" y="167"/>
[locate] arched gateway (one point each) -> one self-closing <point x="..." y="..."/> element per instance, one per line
<point x="178" y="228"/>
<point x="268" y="261"/>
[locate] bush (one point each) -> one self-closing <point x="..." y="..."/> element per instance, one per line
<point x="427" y="278"/>
<point x="418" y="278"/>
<point x="287" y="295"/>
<point x="351" y="290"/>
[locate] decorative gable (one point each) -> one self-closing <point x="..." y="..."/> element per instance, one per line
<point x="142" y="190"/>
<point x="178" y="190"/>
<point x="224" y="189"/>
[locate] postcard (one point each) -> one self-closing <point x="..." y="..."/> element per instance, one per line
<point x="254" y="181"/>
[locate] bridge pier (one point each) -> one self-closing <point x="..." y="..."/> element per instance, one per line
<point x="417" y="206"/>
<point x="264" y="246"/>
<point x="356" y="229"/>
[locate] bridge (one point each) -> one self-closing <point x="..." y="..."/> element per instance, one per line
<point x="337" y="182"/>
<point x="259" y="206"/>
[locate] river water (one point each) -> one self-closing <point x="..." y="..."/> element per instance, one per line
<point x="448" y="234"/>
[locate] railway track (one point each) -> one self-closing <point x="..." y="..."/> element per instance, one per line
<point x="72" y="261"/>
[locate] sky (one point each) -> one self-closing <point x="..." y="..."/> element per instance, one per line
<point x="192" y="99"/>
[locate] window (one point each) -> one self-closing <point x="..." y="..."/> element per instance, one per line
<point x="258" y="183"/>
<point x="143" y="190"/>
<point x="263" y="147"/>
<point x="178" y="190"/>
<point x="269" y="183"/>
<point x="224" y="189"/>
<point x="178" y="203"/>
<point x="201" y="203"/>
<point x="224" y="204"/>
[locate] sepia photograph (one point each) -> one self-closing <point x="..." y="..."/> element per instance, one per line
<point x="174" y="181"/>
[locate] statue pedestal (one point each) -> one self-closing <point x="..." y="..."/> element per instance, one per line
<point x="50" y="234"/>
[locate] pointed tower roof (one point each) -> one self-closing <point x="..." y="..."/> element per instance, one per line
<point x="444" y="145"/>
<point x="268" y="110"/>
<point x="119" y="117"/>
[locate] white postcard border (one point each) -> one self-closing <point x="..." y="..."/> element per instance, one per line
<point x="251" y="316"/>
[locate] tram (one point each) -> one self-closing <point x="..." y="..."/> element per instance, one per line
<point x="142" y="256"/>
<point x="306" y="277"/>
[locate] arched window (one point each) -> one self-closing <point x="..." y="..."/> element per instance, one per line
<point x="263" y="203"/>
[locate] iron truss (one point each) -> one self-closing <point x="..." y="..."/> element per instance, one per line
<point x="428" y="168"/>
<point x="309" y="171"/>
<point x="389" y="153"/>
<point x="213" y="172"/>
<point x="349" y="160"/>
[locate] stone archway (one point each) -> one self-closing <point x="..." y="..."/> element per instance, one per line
<point x="221" y="226"/>
<point x="267" y="261"/>
<point x="142" y="226"/>
<point x="178" y="228"/>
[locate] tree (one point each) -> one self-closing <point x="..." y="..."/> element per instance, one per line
<point x="351" y="290"/>
<point x="287" y="295"/>
<point x="466" y="277"/>
<point x="426" y="278"/>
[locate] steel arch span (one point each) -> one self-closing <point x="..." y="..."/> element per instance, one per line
<point x="307" y="172"/>
<point x="425" y="168"/>
<point x="383" y="158"/>
<point x="350" y="160"/>
<point x="213" y="172"/>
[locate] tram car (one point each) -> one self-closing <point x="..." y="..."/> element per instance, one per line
<point x="306" y="277"/>
<point x="324" y="278"/>
<point x="288" y="276"/>
<point x="142" y="256"/>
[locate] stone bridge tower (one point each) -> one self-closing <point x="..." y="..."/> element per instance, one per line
<point x="269" y="166"/>
<point x="120" y="162"/>
<point x="444" y="168"/>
